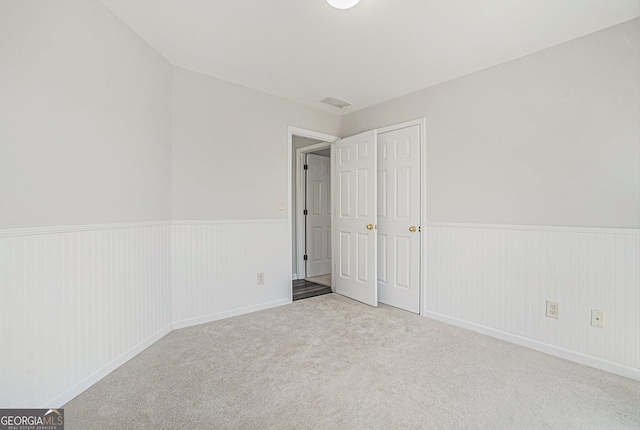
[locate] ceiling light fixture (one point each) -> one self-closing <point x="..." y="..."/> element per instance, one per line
<point x="343" y="4"/>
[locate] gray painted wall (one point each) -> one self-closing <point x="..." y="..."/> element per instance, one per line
<point x="86" y="118"/>
<point x="230" y="148"/>
<point x="548" y="139"/>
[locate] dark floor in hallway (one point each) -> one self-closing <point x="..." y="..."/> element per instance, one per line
<point x="303" y="289"/>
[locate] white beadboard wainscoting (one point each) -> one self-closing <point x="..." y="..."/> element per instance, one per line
<point x="215" y="267"/>
<point x="77" y="302"/>
<point x="496" y="279"/>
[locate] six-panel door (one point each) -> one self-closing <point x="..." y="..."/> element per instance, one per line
<point x="399" y="218"/>
<point x="318" y="219"/>
<point x="355" y="206"/>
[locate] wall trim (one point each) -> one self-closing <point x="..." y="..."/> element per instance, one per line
<point x="76" y="228"/>
<point x="227" y="314"/>
<point x="596" y="230"/>
<point x="55" y="229"/>
<point x="577" y="357"/>
<point x="229" y="221"/>
<point x="78" y="388"/>
<point x="27" y="231"/>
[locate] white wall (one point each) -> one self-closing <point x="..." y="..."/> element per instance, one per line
<point x="86" y="150"/>
<point x="215" y="266"/>
<point x="79" y="302"/>
<point x="86" y="118"/>
<point x="85" y="144"/>
<point x="88" y="115"/>
<point x="551" y="139"/>
<point x="229" y="172"/>
<point x="496" y="279"/>
<point x="230" y="148"/>
<point x="548" y="139"/>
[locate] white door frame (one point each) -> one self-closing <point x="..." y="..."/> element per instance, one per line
<point x="421" y="123"/>
<point x="298" y="218"/>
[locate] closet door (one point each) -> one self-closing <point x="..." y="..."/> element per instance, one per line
<point x="355" y="217"/>
<point x="399" y="218"/>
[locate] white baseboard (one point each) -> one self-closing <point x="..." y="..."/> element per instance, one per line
<point x="67" y="395"/>
<point x="227" y="314"/>
<point x="598" y="363"/>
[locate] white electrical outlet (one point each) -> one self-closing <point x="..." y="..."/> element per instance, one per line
<point x="282" y="205"/>
<point x="260" y="278"/>
<point x="553" y="310"/>
<point x="598" y="318"/>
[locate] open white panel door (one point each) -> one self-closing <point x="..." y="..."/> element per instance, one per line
<point x="354" y="196"/>
<point x="318" y="216"/>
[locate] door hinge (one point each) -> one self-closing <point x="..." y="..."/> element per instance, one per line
<point x="305" y="212"/>
<point x="306" y="167"/>
<point x="305" y="257"/>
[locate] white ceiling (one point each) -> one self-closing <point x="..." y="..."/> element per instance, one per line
<point x="305" y="50"/>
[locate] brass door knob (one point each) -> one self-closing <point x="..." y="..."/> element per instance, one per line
<point x="413" y="229"/>
<point x="369" y="226"/>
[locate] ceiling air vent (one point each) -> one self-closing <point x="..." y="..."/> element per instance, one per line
<point x="335" y="102"/>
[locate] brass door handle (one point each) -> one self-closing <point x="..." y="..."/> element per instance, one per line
<point x="369" y="226"/>
<point x="413" y="229"/>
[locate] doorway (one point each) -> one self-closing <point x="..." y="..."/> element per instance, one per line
<point x="315" y="204"/>
<point x="317" y="216"/>
<point x="310" y="212"/>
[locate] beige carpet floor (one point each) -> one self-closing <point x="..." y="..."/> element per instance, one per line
<point x="331" y="363"/>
